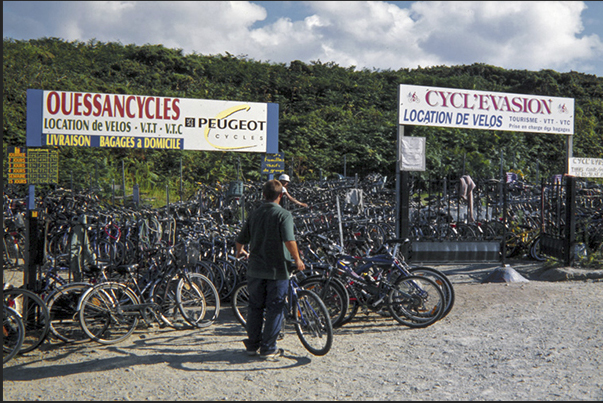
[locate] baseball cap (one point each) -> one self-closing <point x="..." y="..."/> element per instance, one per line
<point x="284" y="177"/>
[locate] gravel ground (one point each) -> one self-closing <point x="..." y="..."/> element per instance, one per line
<point x="535" y="340"/>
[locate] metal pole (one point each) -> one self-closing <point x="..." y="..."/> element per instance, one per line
<point x="500" y="185"/>
<point x="403" y="195"/>
<point x="570" y="218"/>
<point x="570" y="152"/>
<point x="339" y="219"/>
<point x="180" y="178"/>
<point x="123" y="182"/>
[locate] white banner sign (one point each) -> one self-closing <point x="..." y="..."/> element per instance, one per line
<point x="450" y="107"/>
<point x="586" y="167"/>
<point x="413" y="154"/>
<point x="138" y="121"/>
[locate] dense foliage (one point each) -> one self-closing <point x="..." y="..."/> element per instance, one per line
<point x="326" y="112"/>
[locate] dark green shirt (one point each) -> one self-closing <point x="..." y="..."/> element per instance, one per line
<point x="266" y="231"/>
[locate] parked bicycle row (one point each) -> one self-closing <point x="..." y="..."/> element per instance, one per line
<point x="110" y="303"/>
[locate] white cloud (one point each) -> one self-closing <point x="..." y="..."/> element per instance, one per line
<point x="525" y="35"/>
<point x="512" y="35"/>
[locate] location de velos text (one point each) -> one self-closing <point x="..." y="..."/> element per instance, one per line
<point x="113" y="126"/>
<point x="450" y="118"/>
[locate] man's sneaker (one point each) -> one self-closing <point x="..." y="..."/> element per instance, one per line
<point x="272" y="356"/>
<point x="251" y="353"/>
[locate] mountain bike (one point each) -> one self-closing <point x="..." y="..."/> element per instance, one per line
<point x="303" y="309"/>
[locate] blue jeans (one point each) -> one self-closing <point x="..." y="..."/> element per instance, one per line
<point x="265" y="313"/>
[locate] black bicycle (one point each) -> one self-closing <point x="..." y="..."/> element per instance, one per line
<point x="304" y="309"/>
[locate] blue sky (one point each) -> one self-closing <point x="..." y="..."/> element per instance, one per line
<point x="561" y="36"/>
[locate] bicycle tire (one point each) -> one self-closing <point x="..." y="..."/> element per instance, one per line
<point x="212" y="271"/>
<point x="312" y="322"/>
<point x="107" y="314"/>
<point x="13" y="333"/>
<point x="230" y="276"/>
<point x="62" y="307"/>
<point x="442" y="281"/>
<point x="335" y="296"/>
<point x="35" y="315"/>
<point x="164" y="295"/>
<point x="198" y="300"/>
<point x="239" y="303"/>
<point x="355" y="301"/>
<point x="535" y="250"/>
<point x="416" y="301"/>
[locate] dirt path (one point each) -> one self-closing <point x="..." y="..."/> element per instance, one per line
<point x="536" y="340"/>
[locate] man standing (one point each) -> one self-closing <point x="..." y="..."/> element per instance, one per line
<point x="284" y="179"/>
<point x="272" y="245"/>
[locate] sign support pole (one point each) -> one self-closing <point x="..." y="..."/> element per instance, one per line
<point x="402" y="193"/>
<point x="570" y="152"/>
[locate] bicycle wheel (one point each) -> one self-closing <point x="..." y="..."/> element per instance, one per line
<point x="442" y="281"/>
<point x="312" y="322"/>
<point x="239" y="303"/>
<point x="108" y="312"/>
<point x="164" y="295"/>
<point x="535" y="250"/>
<point x="62" y="307"/>
<point x="13" y="333"/>
<point x="212" y="271"/>
<point x="229" y="272"/>
<point x="334" y="296"/>
<point x="198" y="300"/>
<point x="35" y="315"/>
<point x="356" y="299"/>
<point x="416" y="301"/>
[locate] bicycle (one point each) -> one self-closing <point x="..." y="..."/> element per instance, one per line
<point x="110" y="311"/>
<point x="381" y="283"/>
<point x="62" y="302"/>
<point x="384" y="263"/>
<point x="304" y="309"/>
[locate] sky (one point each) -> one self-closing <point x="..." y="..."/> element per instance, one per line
<point x="557" y="35"/>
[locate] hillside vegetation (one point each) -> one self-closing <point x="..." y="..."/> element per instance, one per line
<point x="326" y="112"/>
